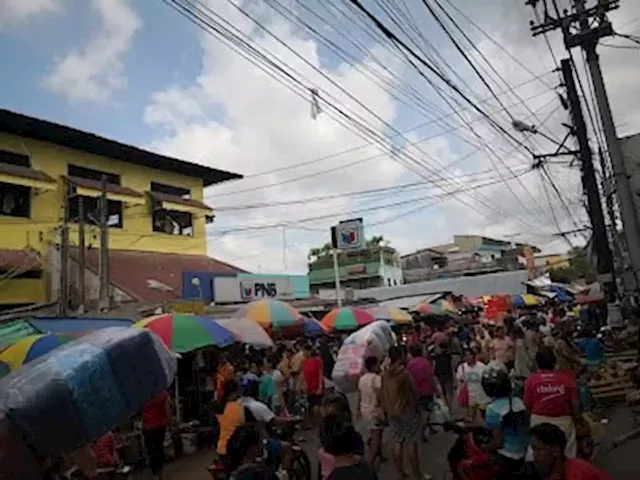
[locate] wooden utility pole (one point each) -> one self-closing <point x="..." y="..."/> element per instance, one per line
<point x="81" y="255"/>
<point x="104" y="302"/>
<point x="589" y="183"/>
<point x="63" y="291"/>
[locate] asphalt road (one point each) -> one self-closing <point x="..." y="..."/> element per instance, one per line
<point x="620" y="462"/>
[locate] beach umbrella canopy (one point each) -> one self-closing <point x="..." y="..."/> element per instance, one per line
<point x="525" y="300"/>
<point x="446" y="305"/>
<point x="74" y="394"/>
<point x="183" y="332"/>
<point x="29" y="348"/>
<point x="312" y="327"/>
<point x="391" y="314"/>
<point x="428" y="309"/>
<point x="272" y="315"/>
<point x="248" y="332"/>
<point x="346" y="318"/>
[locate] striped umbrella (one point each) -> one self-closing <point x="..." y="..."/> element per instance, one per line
<point x="184" y="333"/>
<point x="346" y="319"/>
<point x="391" y="314"/>
<point x="272" y="315"/>
<point x="425" y="308"/>
<point x="28" y="349"/>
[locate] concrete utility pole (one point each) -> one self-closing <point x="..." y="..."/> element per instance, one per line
<point x="63" y="291"/>
<point x="104" y="302"/>
<point x="81" y="255"/>
<point x="584" y="27"/>
<point x="590" y="184"/>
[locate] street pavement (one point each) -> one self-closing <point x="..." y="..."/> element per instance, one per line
<point x="433" y="460"/>
<point x="619" y="462"/>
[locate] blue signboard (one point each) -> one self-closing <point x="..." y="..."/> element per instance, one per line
<point x="200" y="285"/>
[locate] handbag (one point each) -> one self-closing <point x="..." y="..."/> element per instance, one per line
<point x="463" y="395"/>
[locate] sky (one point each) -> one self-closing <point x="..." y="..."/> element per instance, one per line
<point x="421" y="147"/>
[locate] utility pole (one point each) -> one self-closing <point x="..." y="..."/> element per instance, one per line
<point x="583" y="27"/>
<point x="284" y="248"/>
<point x="81" y="255"/>
<point x="63" y="291"/>
<point x="104" y="301"/>
<point x="589" y="183"/>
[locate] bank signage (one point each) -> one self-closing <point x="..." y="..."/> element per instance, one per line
<point x="234" y="290"/>
<point x="348" y="235"/>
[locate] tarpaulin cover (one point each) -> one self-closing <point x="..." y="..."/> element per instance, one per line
<point x="373" y="340"/>
<point x="74" y="394"/>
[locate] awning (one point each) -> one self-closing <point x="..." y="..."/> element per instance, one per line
<point x="179" y="204"/>
<point x="77" y="326"/>
<point x="91" y="188"/>
<point x="27" y="177"/>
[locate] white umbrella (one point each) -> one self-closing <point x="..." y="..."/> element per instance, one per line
<point x="248" y="332"/>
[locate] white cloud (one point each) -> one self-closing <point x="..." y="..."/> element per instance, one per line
<point x="236" y="117"/>
<point x="15" y="12"/>
<point x="94" y="72"/>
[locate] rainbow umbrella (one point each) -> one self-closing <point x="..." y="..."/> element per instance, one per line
<point x="391" y="314"/>
<point x="425" y="308"/>
<point x="346" y="318"/>
<point x="312" y="327"/>
<point x="29" y="348"/>
<point x="183" y="332"/>
<point x="272" y="315"/>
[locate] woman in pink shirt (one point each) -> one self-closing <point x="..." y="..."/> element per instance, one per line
<point x="503" y="348"/>
<point x="422" y="373"/>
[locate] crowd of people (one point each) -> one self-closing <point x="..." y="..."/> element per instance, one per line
<point x="518" y="380"/>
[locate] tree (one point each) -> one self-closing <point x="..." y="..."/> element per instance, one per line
<point x="579" y="268"/>
<point x="373" y="243"/>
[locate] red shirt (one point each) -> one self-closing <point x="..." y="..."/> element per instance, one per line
<point x="550" y="393"/>
<point x="105" y="450"/>
<point x="576" y="469"/>
<point x="154" y="414"/>
<point x="312" y="371"/>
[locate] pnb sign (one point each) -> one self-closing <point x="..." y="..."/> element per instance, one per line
<point x="234" y="290"/>
<point x="348" y="235"/>
<point x="253" y="290"/>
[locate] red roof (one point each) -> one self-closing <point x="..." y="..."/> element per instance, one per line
<point x="152" y="277"/>
<point x="20" y="260"/>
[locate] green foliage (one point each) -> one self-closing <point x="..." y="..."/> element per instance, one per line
<point x="579" y="268"/>
<point x="322" y="255"/>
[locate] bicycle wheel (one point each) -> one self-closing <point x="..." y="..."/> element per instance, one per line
<point x="300" y="465"/>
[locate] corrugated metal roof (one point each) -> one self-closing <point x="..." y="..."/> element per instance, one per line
<point x="508" y="283"/>
<point x="411" y="301"/>
<point x="136" y="273"/>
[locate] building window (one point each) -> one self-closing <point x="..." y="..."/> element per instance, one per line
<point x="92" y="204"/>
<point x="171" y="222"/>
<point x="15" y="200"/>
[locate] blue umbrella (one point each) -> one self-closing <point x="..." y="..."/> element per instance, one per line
<point x="312" y="327"/>
<point x="76" y="393"/>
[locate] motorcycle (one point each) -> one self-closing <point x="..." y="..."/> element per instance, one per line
<point x="468" y="459"/>
<point x="300" y="463"/>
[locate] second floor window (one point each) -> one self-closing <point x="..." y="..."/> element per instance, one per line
<point x="171" y="222"/>
<point x="92" y="180"/>
<point x="15" y="200"/>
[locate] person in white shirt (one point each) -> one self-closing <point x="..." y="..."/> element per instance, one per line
<point x="469" y="376"/>
<point x="368" y="406"/>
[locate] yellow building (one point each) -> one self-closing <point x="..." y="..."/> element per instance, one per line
<point x="156" y="209"/>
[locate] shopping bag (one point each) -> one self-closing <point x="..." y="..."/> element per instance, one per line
<point x="463" y="396"/>
<point x="440" y="413"/>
